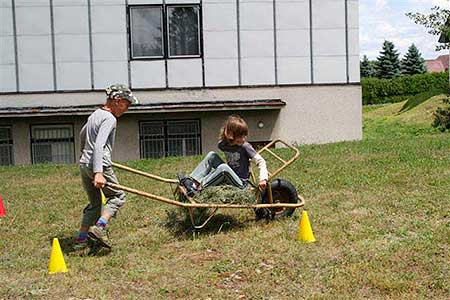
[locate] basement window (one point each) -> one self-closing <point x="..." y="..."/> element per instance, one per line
<point x="52" y="144"/>
<point x="170" y="138"/>
<point x="6" y="146"/>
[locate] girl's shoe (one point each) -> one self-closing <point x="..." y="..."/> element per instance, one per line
<point x="188" y="183"/>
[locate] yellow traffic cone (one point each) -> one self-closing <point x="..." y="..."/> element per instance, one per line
<point x="305" y="233"/>
<point x="56" y="264"/>
<point x="103" y="198"/>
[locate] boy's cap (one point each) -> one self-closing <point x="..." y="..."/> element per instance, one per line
<point x="121" y="91"/>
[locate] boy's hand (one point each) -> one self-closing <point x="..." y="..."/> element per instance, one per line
<point x="99" y="180"/>
<point x="262" y="185"/>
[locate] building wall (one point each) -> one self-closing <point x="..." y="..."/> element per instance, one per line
<point x="313" y="114"/>
<point x="83" y="45"/>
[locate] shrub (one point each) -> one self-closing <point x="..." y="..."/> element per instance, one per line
<point x="442" y="116"/>
<point x="376" y="91"/>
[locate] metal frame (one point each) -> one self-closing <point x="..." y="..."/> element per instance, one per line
<point x="50" y="126"/>
<point x="191" y="204"/>
<point x="9" y="142"/>
<point x="165" y="133"/>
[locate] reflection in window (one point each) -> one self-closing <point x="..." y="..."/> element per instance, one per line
<point x="183" y="26"/>
<point x="146" y="32"/>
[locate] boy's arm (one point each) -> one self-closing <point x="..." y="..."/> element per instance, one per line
<point x="82" y="138"/>
<point x="97" y="157"/>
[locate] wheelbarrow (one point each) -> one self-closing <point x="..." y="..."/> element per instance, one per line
<point x="279" y="199"/>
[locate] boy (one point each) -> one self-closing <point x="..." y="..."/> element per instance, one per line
<point x="97" y="142"/>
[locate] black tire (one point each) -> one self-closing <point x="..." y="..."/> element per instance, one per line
<point x="282" y="192"/>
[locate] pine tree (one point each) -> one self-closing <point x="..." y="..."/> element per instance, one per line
<point x="366" y="67"/>
<point x="388" y="64"/>
<point x="413" y="63"/>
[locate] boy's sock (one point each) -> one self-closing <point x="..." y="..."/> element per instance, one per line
<point x="82" y="237"/>
<point x="101" y="222"/>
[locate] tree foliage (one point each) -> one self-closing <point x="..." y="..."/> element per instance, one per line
<point x="367" y="67"/>
<point x="413" y="62"/>
<point x="388" y="63"/>
<point x="437" y="23"/>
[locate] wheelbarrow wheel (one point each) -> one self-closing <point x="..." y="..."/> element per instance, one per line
<point x="282" y="192"/>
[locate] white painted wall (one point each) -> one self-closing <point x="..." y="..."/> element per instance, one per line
<point x="353" y="40"/>
<point x="293" y="42"/>
<point x="328" y="22"/>
<point x="72" y="45"/>
<point x="220" y="43"/>
<point x="225" y="36"/>
<point x="7" y="59"/>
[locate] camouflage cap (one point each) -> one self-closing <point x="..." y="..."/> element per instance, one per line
<point x="121" y="91"/>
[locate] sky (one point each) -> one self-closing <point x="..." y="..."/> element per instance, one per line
<point x="381" y="20"/>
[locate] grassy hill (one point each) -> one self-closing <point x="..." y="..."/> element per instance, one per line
<point x="379" y="209"/>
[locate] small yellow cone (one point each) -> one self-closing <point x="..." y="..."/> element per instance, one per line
<point x="56" y="264"/>
<point x="305" y="233"/>
<point x="103" y="198"/>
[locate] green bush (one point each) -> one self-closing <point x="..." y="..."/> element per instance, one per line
<point x="377" y="91"/>
<point x="442" y="116"/>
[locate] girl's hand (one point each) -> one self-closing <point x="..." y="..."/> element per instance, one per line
<point x="262" y="185"/>
<point x="99" y="180"/>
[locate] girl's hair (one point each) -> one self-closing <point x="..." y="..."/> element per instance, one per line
<point x="233" y="127"/>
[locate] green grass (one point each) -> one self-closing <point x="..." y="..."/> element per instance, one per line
<point x="379" y="209"/>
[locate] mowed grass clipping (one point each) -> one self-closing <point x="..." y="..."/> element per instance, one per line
<point x="379" y="209"/>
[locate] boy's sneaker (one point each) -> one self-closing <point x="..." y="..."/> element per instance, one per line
<point x="188" y="183"/>
<point x="100" y="235"/>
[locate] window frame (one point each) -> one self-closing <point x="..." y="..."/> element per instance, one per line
<point x="166" y="135"/>
<point x="198" y="31"/>
<point x="52" y="125"/>
<point x="130" y="40"/>
<point x="10" y="143"/>
<point x="165" y="32"/>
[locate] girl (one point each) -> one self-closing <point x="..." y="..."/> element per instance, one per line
<point x="212" y="170"/>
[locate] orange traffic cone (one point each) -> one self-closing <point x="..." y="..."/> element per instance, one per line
<point x="56" y="264"/>
<point x="2" y="208"/>
<point x="305" y="233"/>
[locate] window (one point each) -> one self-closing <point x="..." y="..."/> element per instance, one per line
<point x="183" y="31"/>
<point x="52" y="144"/>
<point x="6" y="146"/>
<point x="146" y="32"/>
<point x="154" y="27"/>
<point x="170" y="138"/>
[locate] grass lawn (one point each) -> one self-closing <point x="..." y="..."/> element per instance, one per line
<point x="379" y="209"/>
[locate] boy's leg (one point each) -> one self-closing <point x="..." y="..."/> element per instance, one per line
<point x="115" y="199"/>
<point x="211" y="161"/>
<point x="223" y="174"/>
<point x="92" y="211"/>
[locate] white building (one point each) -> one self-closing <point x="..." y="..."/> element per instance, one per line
<point x="289" y="67"/>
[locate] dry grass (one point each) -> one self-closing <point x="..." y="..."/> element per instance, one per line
<point x="379" y="210"/>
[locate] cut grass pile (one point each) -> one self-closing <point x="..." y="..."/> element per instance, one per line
<point x="379" y="209"/>
<point x="226" y="194"/>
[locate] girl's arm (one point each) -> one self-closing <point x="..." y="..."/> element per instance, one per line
<point x="263" y="173"/>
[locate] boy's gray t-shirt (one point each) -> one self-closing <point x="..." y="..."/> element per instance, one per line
<point x="97" y="140"/>
<point x="238" y="157"/>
